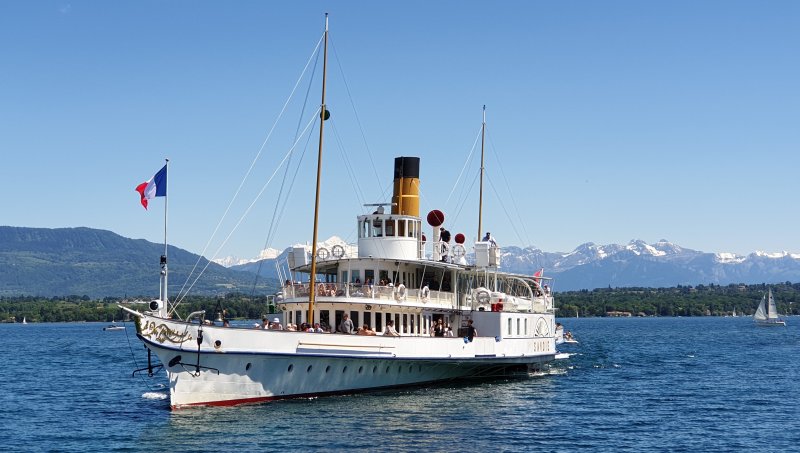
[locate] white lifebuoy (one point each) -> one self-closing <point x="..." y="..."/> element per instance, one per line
<point x="400" y="292"/>
<point x="483" y="296"/>
<point x="425" y="293"/>
<point x="322" y="253"/>
<point x="337" y="251"/>
<point x="459" y="251"/>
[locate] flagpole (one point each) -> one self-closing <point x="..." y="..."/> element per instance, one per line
<point x="164" y="260"/>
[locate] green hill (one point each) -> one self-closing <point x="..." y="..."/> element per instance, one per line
<point x="99" y="263"/>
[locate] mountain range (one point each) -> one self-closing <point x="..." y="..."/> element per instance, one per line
<point x="99" y="263"/>
<point x="589" y="266"/>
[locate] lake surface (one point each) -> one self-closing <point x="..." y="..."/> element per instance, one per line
<point x="640" y="384"/>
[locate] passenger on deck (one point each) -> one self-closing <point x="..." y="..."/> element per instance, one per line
<point x="438" y="329"/>
<point x="448" y="332"/>
<point x="318" y="328"/>
<point x="346" y="326"/>
<point x="265" y="324"/>
<point x="390" y="332"/>
<point x="365" y="330"/>
<point x="276" y="324"/>
<point x="488" y="238"/>
<point x="472" y="332"/>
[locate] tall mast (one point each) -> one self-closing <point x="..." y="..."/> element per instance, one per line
<point x="480" y="196"/>
<point x="323" y="116"/>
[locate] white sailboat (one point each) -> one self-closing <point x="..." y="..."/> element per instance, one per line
<point x="505" y="324"/>
<point x="767" y="313"/>
<point x="24" y="320"/>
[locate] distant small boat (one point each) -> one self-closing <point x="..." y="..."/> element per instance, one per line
<point x="24" y="321"/>
<point x="767" y="313"/>
<point x="114" y="326"/>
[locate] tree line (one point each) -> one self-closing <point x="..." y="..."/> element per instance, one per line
<point x="700" y="300"/>
<point x="82" y="308"/>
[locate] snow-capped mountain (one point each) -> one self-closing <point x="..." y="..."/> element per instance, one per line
<point x="589" y="266"/>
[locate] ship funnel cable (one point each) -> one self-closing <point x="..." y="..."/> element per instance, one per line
<point x="514" y="203"/>
<point x="253" y="163"/>
<point x="503" y="206"/>
<point x="358" y="120"/>
<point x="247" y="211"/>
<point x="464" y="167"/>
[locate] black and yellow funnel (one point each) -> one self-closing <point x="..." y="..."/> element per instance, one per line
<point x="405" y="199"/>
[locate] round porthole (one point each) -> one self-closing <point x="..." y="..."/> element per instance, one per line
<point x="217" y="344"/>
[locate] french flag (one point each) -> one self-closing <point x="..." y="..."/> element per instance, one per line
<point x="155" y="187"/>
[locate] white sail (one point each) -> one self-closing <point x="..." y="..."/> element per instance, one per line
<point x="761" y="312"/>
<point x="772" y="310"/>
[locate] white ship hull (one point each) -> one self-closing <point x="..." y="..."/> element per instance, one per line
<point x="239" y="366"/>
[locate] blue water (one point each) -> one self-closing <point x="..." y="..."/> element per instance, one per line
<point x="678" y="384"/>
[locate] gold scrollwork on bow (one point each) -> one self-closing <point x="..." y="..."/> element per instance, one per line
<point x="162" y="333"/>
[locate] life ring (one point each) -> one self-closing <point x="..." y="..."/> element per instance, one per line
<point x="483" y="296"/>
<point x="425" y="293"/>
<point x="400" y="292"/>
<point x="459" y="251"/>
<point x="323" y="253"/>
<point x="337" y="251"/>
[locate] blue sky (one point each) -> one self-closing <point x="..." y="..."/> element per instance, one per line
<point x="607" y="121"/>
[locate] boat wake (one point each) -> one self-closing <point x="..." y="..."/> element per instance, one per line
<point x="154" y="396"/>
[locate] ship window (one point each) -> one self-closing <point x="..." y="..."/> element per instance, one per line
<point x="412" y="229"/>
<point x="354" y="318"/>
<point x="378" y="322"/>
<point x="405" y="323"/>
<point x="338" y="319"/>
<point x="401" y="227"/>
<point x="377" y="227"/>
<point x="297" y="319"/>
<point x="369" y="276"/>
<point x="389" y="318"/>
<point x="509" y="326"/>
<point x="397" y="322"/>
<point x="517" y="326"/>
<point x="344" y="275"/>
<point x="526" y="326"/>
<point x="363" y="232"/>
<point x="325" y="318"/>
<point x="356" y="276"/>
<point x="368" y="319"/>
<point x="412" y="324"/>
<point x="390" y="227"/>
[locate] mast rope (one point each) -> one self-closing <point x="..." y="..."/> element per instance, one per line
<point x="247" y="174"/>
<point x="247" y="211"/>
<point x="358" y="119"/>
<point x="276" y="214"/>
